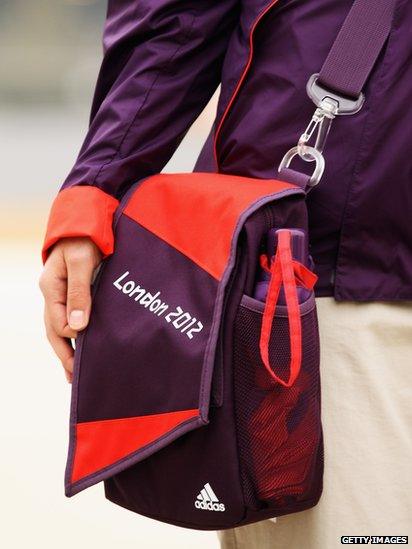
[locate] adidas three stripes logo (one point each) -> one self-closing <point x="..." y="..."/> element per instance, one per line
<point x="207" y="500"/>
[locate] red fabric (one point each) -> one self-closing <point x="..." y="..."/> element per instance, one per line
<point x="198" y="212"/>
<point x="304" y="276"/>
<point x="81" y="211"/>
<point x="287" y="272"/>
<point x="102" y="443"/>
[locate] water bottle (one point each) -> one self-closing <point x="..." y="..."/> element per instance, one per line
<point x="299" y="247"/>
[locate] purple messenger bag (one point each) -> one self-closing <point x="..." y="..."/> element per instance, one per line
<point x="196" y="403"/>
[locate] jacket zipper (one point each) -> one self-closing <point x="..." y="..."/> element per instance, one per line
<point x="241" y="80"/>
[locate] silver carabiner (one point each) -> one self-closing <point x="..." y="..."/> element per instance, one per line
<point x="313" y="155"/>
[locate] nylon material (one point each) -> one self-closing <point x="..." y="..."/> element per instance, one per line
<point x="355" y="231"/>
<point x="357" y="46"/>
<point x="123" y="392"/>
<point x="236" y="58"/>
<point x="118" y="317"/>
<point x="103" y="443"/>
<point x="304" y="276"/>
<point x="243" y="75"/>
<point x="272" y="107"/>
<point x="81" y="211"/>
<point x="166" y="48"/>
<point x="282" y="270"/>
<point x="100" y="403"/>
<point x="213" y="198"/>
<point x="377" y="264"/>
<point x="297" y="178"/>
<point x="268" y="316"/>
<point x="295" y="327"/>
<point x="142" y="487"/>
<point x="246" y="216"/>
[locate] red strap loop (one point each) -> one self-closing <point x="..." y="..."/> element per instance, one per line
<point x="287" y="272"/>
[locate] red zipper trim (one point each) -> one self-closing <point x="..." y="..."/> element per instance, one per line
<point x="241" y="80"/>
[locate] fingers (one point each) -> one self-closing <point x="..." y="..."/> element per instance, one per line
<point x="53" y="285"/>
<point x="62" y="347"/>
<point x="80" y="268"/>
<point x="54" y="288"/>
<point x="65" y="284"/>
<point x="58" y="319"/>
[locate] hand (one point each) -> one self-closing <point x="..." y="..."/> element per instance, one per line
<point x="65" y="283"/>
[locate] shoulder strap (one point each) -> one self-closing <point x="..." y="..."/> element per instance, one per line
<point x="337" y="88"/>
<point x="357" y="47"/>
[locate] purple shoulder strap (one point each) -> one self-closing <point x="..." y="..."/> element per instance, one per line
<point x="337" y="89"/>
<point x="357" y="47"/>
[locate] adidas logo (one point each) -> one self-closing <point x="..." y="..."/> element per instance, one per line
<point x="208" y="501"/>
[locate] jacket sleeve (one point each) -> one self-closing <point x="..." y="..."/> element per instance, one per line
<point x="162" y="63"/>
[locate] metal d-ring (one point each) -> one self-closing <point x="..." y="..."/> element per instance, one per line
<point x="310" y="154"/>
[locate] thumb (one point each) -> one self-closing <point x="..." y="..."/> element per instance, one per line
<point x="80" y="267"/>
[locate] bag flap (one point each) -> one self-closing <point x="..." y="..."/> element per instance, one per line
<point x="143" y="367"/>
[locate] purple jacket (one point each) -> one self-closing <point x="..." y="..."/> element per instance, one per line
<point x="164" y="59"/>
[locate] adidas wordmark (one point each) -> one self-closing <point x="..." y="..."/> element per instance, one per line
<point x="208" y="501"/>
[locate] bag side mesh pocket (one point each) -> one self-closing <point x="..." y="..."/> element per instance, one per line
<point x="279" y="430"/>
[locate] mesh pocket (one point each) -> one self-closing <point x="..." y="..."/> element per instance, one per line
<point x="279" y="430"/>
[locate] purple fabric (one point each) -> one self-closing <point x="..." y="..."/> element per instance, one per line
<point x="123" y="391"/>
<point x="211" y="453"/>
<point x="163" y="61"/>
<point x="130" y="362"/>
<point x="120" y="369"/>
<point x="357" y="46"/>
<point x="297" y="178"/>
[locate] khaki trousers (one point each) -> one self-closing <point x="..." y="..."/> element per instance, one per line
<point x="366" y="369"/>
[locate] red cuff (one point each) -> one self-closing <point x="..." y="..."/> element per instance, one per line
<point x="82" y="211"/>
